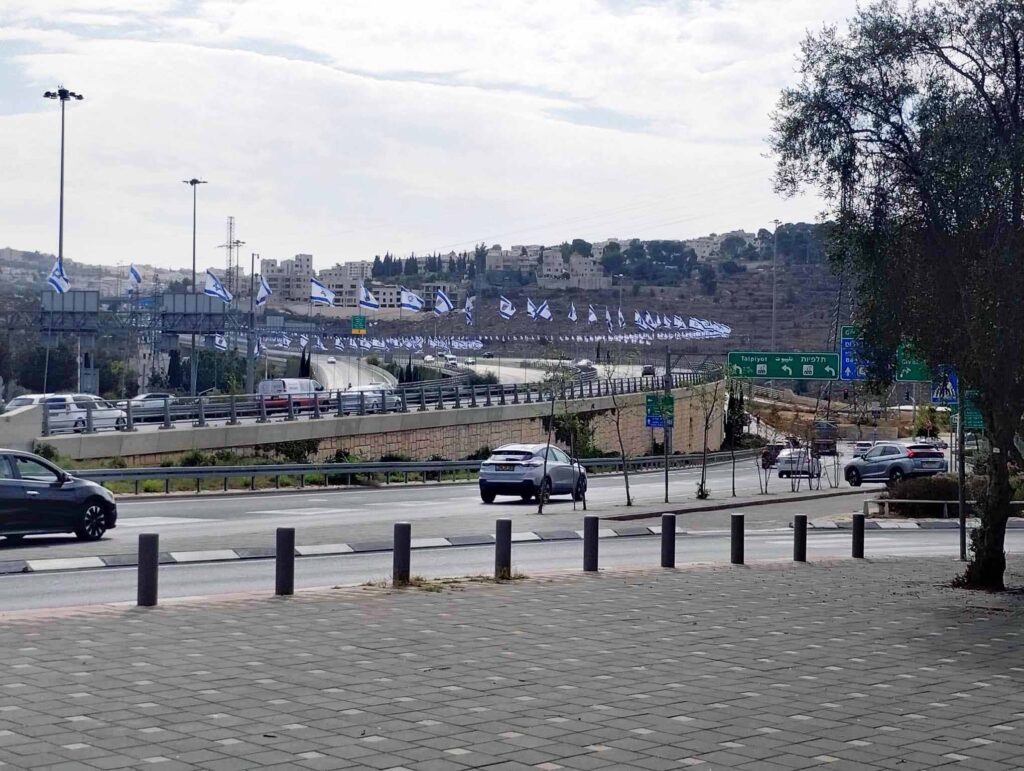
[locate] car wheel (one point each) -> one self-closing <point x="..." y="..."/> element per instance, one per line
<point x="580" y="490"/>
<point x="79" y="426"/>
<point x="896" y="476"/>
<point x="120" y="424"/>
<point x="487" y="496"/>
<point x="93" y="523"/>
<point x="853" y="477"/>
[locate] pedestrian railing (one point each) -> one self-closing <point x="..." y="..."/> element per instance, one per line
<point x="948" y="508"/>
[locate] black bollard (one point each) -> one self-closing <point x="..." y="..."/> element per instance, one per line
<point x="668" y="540"/>
<point x="590" y="544"/>
<point x="402" y="559"/>
<point x="800" y="538"/>
<point x="284" y="578"/>
<point x="858" y="536"/>
<point x="149" y="561"/>
<point x="737" y="539"/>
<point x="503" y="550"/>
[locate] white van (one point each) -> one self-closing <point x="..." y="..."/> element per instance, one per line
<point x="451" y="360"/>
<point x="301" y="389"/>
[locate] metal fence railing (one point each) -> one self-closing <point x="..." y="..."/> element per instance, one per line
<point x="435" y="395"/>
<point x="335" y="474"/>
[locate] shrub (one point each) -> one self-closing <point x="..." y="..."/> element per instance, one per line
<point x="941" y="487"/>
<point x="344" y="456"/>
<point x="295" y="451"/>
<point x="392" y="457"/>
<point x="482" y="454"/>
<point x="196" y="458"/>
<point x="48" y="452"/>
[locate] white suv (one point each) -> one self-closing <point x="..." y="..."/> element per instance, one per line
<point x="69" y="412"/>
<point x="520" y="469"/>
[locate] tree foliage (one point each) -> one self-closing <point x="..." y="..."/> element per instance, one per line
<point x="912" y="124"/>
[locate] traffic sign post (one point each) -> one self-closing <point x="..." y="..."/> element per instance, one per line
<point x="784" y="366"/>
<point x="661" y="410"/>
<point x="359" y="325"/>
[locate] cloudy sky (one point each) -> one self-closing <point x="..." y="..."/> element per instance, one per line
<point x="346" y="128"/>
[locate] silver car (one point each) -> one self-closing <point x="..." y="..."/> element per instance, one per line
<point x="893" y="462"/>
<point x="797" y="462"/>
<point x="520" y="469"/>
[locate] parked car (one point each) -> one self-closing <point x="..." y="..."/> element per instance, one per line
<point x="519" y="469"/>
<point x="770" y="452"/>
<point x="797" y="462"/>
<point x="149" y="406"/>
<point x="648" y="370"/>
<point x="860" y="448"/>
<point x="38" y="497"/>
<point x="893" y="461"/>
<point x="428" y="359"/>
<point x="487" y="355"/>
<point x="69" y="412"/>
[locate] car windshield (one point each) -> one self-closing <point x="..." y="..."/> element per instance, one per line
<point x="21" y="401"/>
<point x="511" y="454"/>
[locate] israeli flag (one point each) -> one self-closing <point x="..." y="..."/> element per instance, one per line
<point x="410" y="300"/>
<point x="505" y="308"/>
<point x="608" y="319"/>
<point x="622" y="319"/>
<point x="303" y="341"/>
<point x="339" y="343"/>
<point x="543" y="311"/>
<point x="367" y="300"/>
<point x="220" y="343"/>
<point x="216" y="289"/>
<point x="678" y="322"/>
<point x="133" y="275"/>
<point x="320" y="294"/>
<point x="467" y="310"/>
<point x="257" y="348"/>
<point x="648" y="320"/>
<point x="591" y="315"/>
<point x="263" y="293"/>
<point x="57" y="279"/>
<point x="639" y="320"/>
<point x="531" y="309"/>
<point x="442" y="303"/>
<point x="572" y="312"/>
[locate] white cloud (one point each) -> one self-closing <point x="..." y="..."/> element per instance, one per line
<point x="346" y="129"/>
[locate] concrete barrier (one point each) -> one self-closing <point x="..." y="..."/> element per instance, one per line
<point x="20" y="427"/>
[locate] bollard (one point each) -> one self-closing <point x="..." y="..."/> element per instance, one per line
<point x="201" y="418"/>
<point x="737" y="539"/>
<point x="405" y="401"/>
<point x="423" y="400"/>
<point x="233" y="411"/>
<point x="284" y="577"/>
<point x="149" y="560"/>
<point x="90" y="426"/>
<point x="503" y="550"/>
<point x="291" y="408"/>
<point x="362" y="402"/>
<point x="488" y="402"/>
<point x="402" y="546"/>
<point x="800" y="538"/>
<point x="263" y="410"/>
<point x="668" y="540"/>
<point x="590" y="544"/>
<point x="316" y="408"/>
<point x="858" y="536"/>
<point x="472" y="396"/>
<point x="440" y="398"/>
<point x="129" y="416"/>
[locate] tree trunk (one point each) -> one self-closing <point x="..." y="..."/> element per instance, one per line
<point x="622" y="450"/>
<point x="988" y="562"/>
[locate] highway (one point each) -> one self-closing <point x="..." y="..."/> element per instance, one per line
<point x="363" y="514"/>
<point x="110" y="585"/>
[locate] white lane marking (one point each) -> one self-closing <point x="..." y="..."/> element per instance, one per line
<point x="154" y="521"/>
<point x="324" y="548"/>
<point x="525" y="537"/>
<point x="210" y="555"/>
<point x="828" y="540"/>
<point x="65" y="563"/>
<point x="304" y="512"/>
<point x="429" y="543"/>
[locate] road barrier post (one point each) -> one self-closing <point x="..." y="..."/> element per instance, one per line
<point x="515" y="393"/>
<point x="858" y="536"/>
<point x="668" y="540"/>
<point x="800" y="538"/>
<point x="423" y="399"/>
<point x="291" y="408"/>
<point x="501" y="394"/>
<point x="316" y="408"/>
<point x="149" y="561"/>
<point x="201" y="418"/>
<point x="402" y="557"/>
<point x="503" y="550"/>
<point x="233" y="419"/>
<point x="488" y="403"/>
<point x="440" y="398"/>
<point x="737" y="539"/>
<point x="263" y="410"/>
<point x="405" y="400"/>
<point x="284" y="577"/>
<point x="129" y="416"/>
<point x="362" y="402"/>
<point x="46" y="420"/>
<point x="590" y="544"/>
<point x="90" y="426"/>
<point x="458" y="396"/>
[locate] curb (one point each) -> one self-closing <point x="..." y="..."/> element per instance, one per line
<point x="668" y="509"/>
<point x="382" y="546"/>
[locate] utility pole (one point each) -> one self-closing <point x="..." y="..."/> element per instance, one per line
<point x="194" y="355"/>
<point x="250" y="366"/>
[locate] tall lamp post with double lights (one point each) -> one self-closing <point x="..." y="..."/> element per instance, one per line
<point x="194" y="356"/>
<point x="64" y="95"/>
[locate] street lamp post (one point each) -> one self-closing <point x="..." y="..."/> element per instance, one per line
<point x="195" y="354"/>
<point x="64" y="95"/>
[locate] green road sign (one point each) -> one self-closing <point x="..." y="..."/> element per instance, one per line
<point x="910" y="369"/>
<point x="359" y="325"/>
<point x="661" y="409"/>
<point x="849" y="331"/>
<point x="972" y="414"/>
<point x="784" y="366"/>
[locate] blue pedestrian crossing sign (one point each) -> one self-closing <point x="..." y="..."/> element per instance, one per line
<point x="945" y="388"/>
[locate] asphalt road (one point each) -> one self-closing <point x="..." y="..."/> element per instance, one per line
<point x="108" y="585"/>
<point x="362" y="514"/>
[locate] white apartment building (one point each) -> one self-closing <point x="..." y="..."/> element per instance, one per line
<point x="289" y="279"/>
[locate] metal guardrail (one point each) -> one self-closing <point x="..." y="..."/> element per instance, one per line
<point x="439" y="395"/>
<point x="391" y="471"/>
<point x="947" y="506"/>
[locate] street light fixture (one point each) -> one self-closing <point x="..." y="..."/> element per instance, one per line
<point x="194" y="182"/>
<point x="64" y="95"/>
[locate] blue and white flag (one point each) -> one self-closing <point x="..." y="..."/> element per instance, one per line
<point x="367" y="300"/>
<point x="608" y="319"/>
<point x="678" y="322"/>
<point x="220" y="343"/>
<point x="133" y="275"/>
<point x="531" y="309"/>
<point x="216" y="289"/>
<point x="505" y="308"/>
<point x="263" y="293"/>
<point x="320" y="344"/>
<point x="442" y="303"/>
<point x="57" y="279"/>
<point x="591" y="315"/>
<point x="467" y="310"/>
<point x="303" y="341"/>
<point x="339" y="343"/>
<point x="639" y="320"/>
<point x="543" y="311"/>
<point x="410" y="300"/>
<point x="622" y="319"/>
<point x="572" y="312"/>
<point x="320" y="294"/>
<point x="257" y="347"/>
<point x="648" y="320"/>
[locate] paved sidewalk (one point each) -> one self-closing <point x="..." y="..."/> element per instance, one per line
<point x="853" y="665"/>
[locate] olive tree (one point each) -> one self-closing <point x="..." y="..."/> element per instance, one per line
<point x="910" y="121"/>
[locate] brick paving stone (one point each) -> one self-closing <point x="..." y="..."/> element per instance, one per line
<point x="868" y="665"/>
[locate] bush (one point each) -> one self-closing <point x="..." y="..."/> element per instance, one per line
<point x="482" y="454"/>
<point x="196" y="458"/>
<point x="296" y="451"/>
<point x="392" y="457"/>
<point x="941" y="487"/>
<point x="344" y="456"/>
<point x="48" y="452"/>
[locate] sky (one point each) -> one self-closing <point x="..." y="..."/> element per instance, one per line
<point x="349" y="128"/>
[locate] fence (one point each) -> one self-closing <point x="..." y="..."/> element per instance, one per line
<point x="438" y="395"/>
<point x="950" y="509"/>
